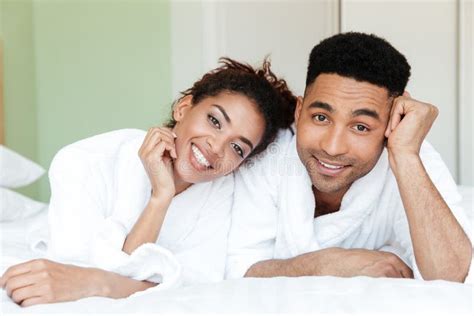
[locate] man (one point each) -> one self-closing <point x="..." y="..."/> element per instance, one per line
<point x="356" y="191"/>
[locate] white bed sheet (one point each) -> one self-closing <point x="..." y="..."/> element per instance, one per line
<point x="284" y="295"/>
<point x="276" y="295"/>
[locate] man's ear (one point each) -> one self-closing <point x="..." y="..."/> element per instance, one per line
<point x="182" y="107"/>
<point x="299" y="107"/>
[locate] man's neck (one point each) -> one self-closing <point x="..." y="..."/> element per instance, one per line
<point x="327" y="202"/>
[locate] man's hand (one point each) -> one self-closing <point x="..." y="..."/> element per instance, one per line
<point x="410" y="122"/>
<point x="335" y="262"/>
<point x="372" y="263"/>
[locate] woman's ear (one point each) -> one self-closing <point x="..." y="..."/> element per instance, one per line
<point x="182" y="107"/>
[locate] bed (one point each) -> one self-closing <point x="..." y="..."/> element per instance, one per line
<point x="276" y="295"/>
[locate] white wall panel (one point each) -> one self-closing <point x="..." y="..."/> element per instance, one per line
<point x="426" y="33"/>
<point x="466" y="113"/>
<point x="249" y="31"/>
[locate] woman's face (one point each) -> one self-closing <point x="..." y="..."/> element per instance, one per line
<point x="215" y="135"/>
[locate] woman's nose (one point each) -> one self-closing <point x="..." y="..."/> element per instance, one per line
<point x="217" y="146"/>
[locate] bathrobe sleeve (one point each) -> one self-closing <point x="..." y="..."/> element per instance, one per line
<point x="76" y="210"/>
<point x="255" y="210"/>
<point x="444" y="182"/>
<point x="81" y="179"/>
<point x="132" y="191"/>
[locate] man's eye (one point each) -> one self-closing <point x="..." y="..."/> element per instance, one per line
<point x="238" y="150"/>
<point x="214" y="121"/>
<point x="362" y="128"/>
<point x="320" y="117"/>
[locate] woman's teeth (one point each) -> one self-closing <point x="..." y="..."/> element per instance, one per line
<point x="200" y="157"/>
<point x="330" y="166"/>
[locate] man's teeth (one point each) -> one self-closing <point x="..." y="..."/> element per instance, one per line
<point x="330" y="166"/>
<point x="200" y="157"/>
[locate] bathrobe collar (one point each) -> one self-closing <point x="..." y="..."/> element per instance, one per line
<point x="301" y="231"/>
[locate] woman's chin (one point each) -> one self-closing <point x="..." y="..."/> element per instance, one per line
<point x="188" y="174"/>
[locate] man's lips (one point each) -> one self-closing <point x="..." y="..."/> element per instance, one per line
<point x="329" y="168"/>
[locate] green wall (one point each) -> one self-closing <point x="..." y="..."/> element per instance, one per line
<point x="98" y="66"/>
<point x="16" y="30"/>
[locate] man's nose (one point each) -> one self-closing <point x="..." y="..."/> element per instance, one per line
<point x="335" y="142"/>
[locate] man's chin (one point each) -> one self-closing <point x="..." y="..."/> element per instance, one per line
<point x="328" y="186"/>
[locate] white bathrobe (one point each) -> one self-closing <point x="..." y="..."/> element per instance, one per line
<point x="99" y="189"/>
<point x="273" y="212"/>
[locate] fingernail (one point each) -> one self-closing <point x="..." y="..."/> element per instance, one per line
<point x="174" y="135"/>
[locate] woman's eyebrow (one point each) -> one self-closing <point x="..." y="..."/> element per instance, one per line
<point x="247" y="141"/>
<point x="227" y="118"/>
<point x="224" y="113"/>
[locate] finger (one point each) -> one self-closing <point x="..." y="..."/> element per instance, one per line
<point x="33" y="301"/>
<point x="26" y="292"/>
<point x="397" y="114"/>
<point x="148" y="135"/>
<point x="156" y="138"/>
<point x="406" y="272"/>
<point x="16" y="270"/>
<point x="146" y="140"/>
<point x="388" y="130"/>
<point x="169" y="146"/>
<point x="392" y="272"/>
<point x="163" y="147"/>
<point x="407" y="94"/>
<point x="168" y="131"/>
<point x="21" y="280"/>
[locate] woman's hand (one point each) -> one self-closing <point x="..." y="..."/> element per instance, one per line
<point x="42" y="281"/>
<point x="157" y="153"/>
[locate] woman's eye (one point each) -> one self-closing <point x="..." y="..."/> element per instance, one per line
<point x="238" y="150"/>
<point x="320" y="117"/>
<point x="362" y="128"/>
<point x="214" y="121"/>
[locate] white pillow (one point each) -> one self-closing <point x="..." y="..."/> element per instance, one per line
<point x="14" y="206"/>
<point x="17" y="171"/>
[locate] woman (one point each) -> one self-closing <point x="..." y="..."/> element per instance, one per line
<point x="160" y="217"/>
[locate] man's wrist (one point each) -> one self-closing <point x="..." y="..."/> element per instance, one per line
<point x="403" y="161"/>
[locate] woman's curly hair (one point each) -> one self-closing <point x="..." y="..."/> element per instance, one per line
<point x="271" y="94"/>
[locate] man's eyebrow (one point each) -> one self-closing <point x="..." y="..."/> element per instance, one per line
<point x="321" y="105"/>
<point x="224" y="113"/>
<point x="247" y="141"/>
<point x="366" y="112"/>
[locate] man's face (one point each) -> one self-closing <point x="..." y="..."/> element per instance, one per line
<point x="340" y="130"/>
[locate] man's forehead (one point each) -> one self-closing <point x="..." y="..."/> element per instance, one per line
<point x="338" y="90"/>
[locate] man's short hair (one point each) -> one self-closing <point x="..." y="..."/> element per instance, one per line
<point x="362" y="57"/>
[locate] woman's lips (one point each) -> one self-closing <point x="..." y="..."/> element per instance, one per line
<point x="195" y="162"/>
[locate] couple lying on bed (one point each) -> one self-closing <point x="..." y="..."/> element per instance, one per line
<point x="354" y="190"/>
